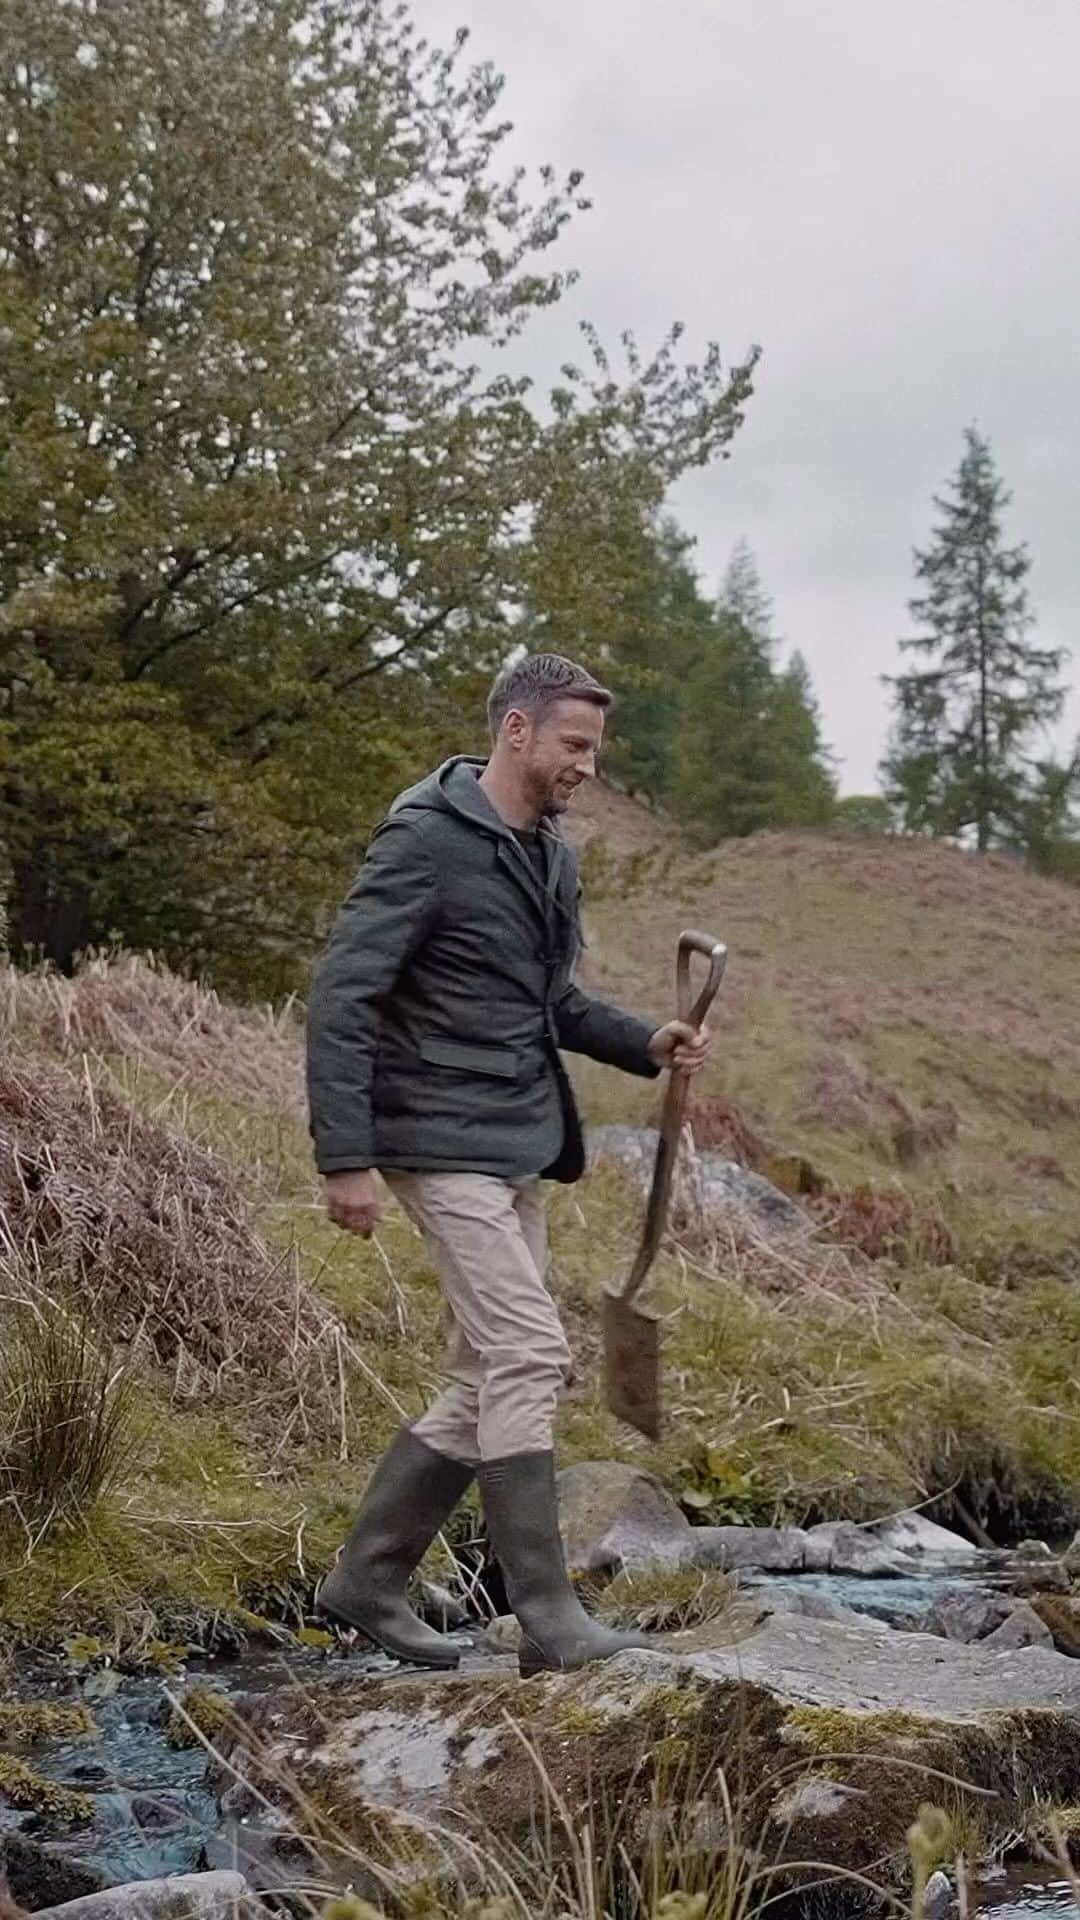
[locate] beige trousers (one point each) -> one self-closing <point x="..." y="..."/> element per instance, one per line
<point x="509" y="1359"/>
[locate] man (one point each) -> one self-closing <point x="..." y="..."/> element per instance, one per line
<point x="434" y="1030"/>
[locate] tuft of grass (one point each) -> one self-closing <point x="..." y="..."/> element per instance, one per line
<point x="66" y="1416"/>
<point x="665" y="1602"/>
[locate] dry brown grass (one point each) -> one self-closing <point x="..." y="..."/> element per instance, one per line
<point x="150" y="1231"/>
<point x="128" y="1004"/>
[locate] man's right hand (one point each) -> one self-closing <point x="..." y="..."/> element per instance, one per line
<point x="352" y="1200"/>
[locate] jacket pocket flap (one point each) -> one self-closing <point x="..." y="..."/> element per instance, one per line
<point x="494" y="1061"/>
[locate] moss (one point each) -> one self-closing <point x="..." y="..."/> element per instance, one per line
<point x="200" y="1710"/>
<point x="578" y="1717"/>
<point x="832" y="1730"/>
<point x="23" y="1722"/>
<point x="22" y="1786"/>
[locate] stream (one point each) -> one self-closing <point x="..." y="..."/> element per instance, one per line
<point x="155" y="1814"/>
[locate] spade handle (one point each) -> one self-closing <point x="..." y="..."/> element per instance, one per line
<point x="693" y="1011"/>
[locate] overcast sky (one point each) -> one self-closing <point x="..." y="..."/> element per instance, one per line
<point x="887" y="198"/>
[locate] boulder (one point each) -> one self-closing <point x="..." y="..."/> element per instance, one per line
<point x="913" y="1534"/>
<point x="1061" y="1614"/>
<point x="706" y="1185"/>
<point x="838" y="1546"/>
<point x="1021" y="1627"/>
<point x="616" y="1518"/>
<point x="727" y="1189"/>
<point x="967" y="1614"/>
<point x="750" y="1549"/>
<point x="807" y="1602"/>
<point x="181" y="1896"/>
<point x="1070" y="1559"/>
<point x="840" y="1728"/>
<point x="43" y="1875"/>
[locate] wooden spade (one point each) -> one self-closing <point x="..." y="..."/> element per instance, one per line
<point x="631" y="1336"/>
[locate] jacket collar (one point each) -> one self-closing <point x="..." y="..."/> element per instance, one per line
<point x="455" y="787"/>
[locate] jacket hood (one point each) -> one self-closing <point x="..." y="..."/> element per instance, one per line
<point x="455" y="788"/>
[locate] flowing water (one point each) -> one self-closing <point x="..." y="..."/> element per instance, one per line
<point x="154" y="1812"/>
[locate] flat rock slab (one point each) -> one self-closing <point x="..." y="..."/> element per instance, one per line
<point x="221" y="1895"/>
<point x="874" y="1669"/>
<point x="843" y="1731"/>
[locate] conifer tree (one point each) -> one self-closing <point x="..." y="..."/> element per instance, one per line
<point x="966" y="718"/>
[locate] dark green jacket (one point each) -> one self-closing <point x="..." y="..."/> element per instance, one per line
<point x="445" y="993"/>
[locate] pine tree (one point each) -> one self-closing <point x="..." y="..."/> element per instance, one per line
<point x="747" y="751"/>
<point x="743" y="595"/>
<point x="959" y="760"/>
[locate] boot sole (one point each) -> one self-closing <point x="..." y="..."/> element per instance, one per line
<point x="443" y="1663"/>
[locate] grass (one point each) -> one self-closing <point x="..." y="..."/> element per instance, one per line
<point x="660" y="1601"/>
<point x="66" y="1414"/>
<point x="271" y="1357"/>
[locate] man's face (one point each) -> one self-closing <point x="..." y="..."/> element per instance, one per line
<point x="559" y="749"/>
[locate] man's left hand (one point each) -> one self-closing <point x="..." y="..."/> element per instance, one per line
<point x="680" y="1045"/>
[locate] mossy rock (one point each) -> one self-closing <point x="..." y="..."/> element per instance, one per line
<point x="776" y="1714"/>
<point x="199" y="1710"/>
<point x="24" y="1721"/>
<point x="22" y="1786"/>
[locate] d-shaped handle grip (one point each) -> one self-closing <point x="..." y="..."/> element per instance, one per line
<point x="674" y="1109"/>
<point x="715" y="952"/>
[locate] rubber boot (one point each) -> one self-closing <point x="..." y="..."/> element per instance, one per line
<point x="522" y="1514"/>
<point x="411" y="1493"/>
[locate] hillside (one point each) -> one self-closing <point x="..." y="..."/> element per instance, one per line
<point x="899" y="1042"/>
<point x="892" y="1010"/>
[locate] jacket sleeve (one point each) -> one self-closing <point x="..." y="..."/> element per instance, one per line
<point x="604" y="1032"/>
<point x="386" y="916"/>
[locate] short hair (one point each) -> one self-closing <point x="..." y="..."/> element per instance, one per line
<point x="535" y="683"/>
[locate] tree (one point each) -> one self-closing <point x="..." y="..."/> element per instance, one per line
<point x="746" y="749"/>
<point x="960" y="756"/>
<point x="803" y="788"/>
<point x="868" y="813"/>
<point x="743" y="596"/>
<point x="264" y="523"/>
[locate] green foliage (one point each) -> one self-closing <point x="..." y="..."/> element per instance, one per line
<point x="264" y="524"/>
<point x="863" y="813"/>
<point x="960" y="758"/>
<point x="706" y="723"/>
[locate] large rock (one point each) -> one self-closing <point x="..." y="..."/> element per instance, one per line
<point x="807" y="1601"/>
<point x="836" y="1546"/>
<point x="1061" y="1614"/>
<point x="914" y="1535"/>
<point x="1021" y="1627"/>
<point x="706" y="1186"/>
<point x="967" y="1614"/>
<point x="751" y="1549"/>
<point x="43" y="1875"/>
<point x="180" y="1896"/>
<point x="616" y="1518"/>
<point x="843" y="1730"/>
